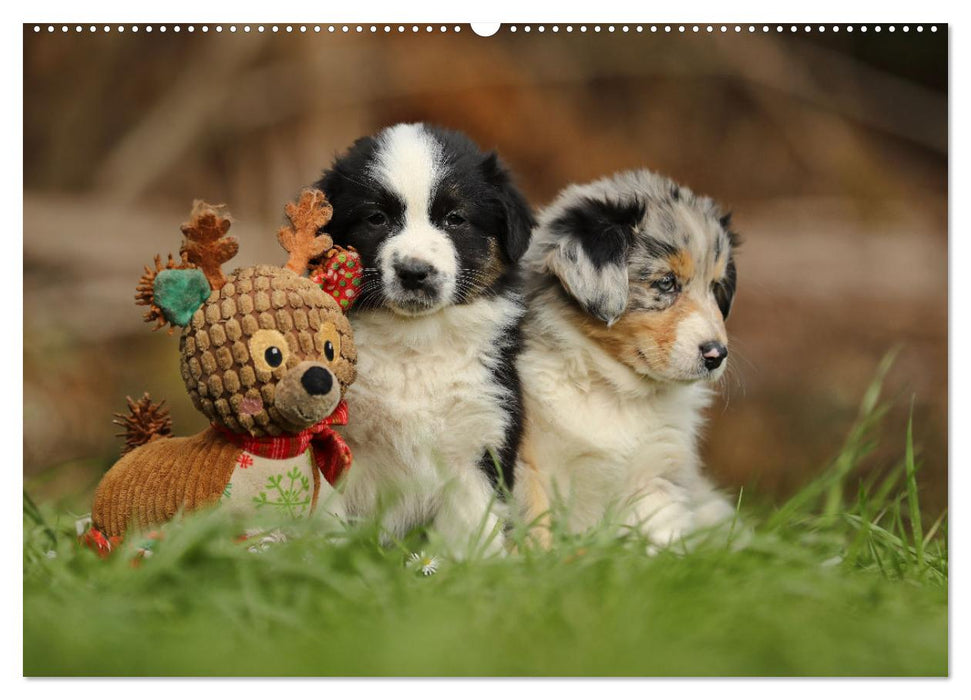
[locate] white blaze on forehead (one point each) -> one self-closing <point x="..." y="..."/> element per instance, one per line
<point x="408" y="162"/>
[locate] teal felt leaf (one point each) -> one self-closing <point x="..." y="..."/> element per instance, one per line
<point x="180" y="293"/>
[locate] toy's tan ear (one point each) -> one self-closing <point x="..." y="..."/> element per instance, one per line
<point x="206" y="244"/>
<point x="300" y="239"/>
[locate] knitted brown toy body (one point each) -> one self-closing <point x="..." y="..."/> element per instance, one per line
<point x="266" y="355"/>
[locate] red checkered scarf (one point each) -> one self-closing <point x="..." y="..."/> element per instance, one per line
<point x="331" y="453"/>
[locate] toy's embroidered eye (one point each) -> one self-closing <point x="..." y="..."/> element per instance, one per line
<point x="666" y="284"/>
<point x="454" y="219"/>
<point x="269" y="349"/>
<point x="273" y="356"/>
<point x="329" y="340"/>
<point x="378" y="218"/>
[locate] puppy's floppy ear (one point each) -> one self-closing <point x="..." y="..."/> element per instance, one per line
<point x="725" y="288"/>
<point x="516" y="214"/>
<point x="589" y="250"/>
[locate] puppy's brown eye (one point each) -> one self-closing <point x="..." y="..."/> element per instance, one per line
<point x="454" y="219"/>
<point x="378" y="218"/>
<point x="329" y="351"/>
<point x="273" y="356"/>
<point x="666" y="284"/>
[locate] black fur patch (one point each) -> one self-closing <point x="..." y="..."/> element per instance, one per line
<point x="725" y="289"/>
<point x="604" y="229"/>
<point x="517" y="216"/>
<point x="507" y="375"/>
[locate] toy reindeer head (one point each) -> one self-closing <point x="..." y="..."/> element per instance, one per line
<point x="265" y="351"/>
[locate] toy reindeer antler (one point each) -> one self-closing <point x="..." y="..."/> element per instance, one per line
<point x="206" y="245"/>
<point x="300" y="238"/>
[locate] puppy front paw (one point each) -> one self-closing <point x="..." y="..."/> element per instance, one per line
<point x="668" y="528"/>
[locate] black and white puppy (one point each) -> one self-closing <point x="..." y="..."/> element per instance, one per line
<point x="630" y="280"/>
<point x="437" y="407"/>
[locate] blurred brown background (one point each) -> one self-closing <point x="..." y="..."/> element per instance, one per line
<point x="830" y="148"/>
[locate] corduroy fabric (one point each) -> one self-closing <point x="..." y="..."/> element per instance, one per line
<point x="149" y="485"/>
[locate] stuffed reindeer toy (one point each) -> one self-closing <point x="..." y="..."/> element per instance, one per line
<point x="266" y="354"/>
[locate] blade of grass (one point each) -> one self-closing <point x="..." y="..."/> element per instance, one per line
<point x="913" y="504"/>
<point x="881" y="495"/>
<point x="735" y="517"/>
<point x="854" y="550"/>
<point x="857" y="444"/>
<point x="33" y="512"/>
<point x="933" y="529"/>
<point x="829" y="485"/>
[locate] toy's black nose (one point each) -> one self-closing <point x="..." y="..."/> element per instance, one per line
<point x="713" y="354"/>
<point x="413" y="273"/>
<point x="317" y="381"/>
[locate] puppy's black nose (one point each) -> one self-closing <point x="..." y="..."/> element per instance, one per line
<point x="317" y="381"/>
<point x="713" y="354"/>
<point x="413" y="273"/>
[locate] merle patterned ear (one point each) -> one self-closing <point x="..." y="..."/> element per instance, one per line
<point x="518" y="221"/>
<point x="589" y="254"/>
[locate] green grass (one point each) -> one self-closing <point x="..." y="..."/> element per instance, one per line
<point x="840" y="580"/>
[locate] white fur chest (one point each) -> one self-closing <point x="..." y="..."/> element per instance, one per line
<point x="424" y="408"/>
<point x="599" y="432"/>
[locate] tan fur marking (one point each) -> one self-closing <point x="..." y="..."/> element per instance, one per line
<point x="653" y="332"/>
<point x="682" y="265"/>
<point x="535" y="501"/>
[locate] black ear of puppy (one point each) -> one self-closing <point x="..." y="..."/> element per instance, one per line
<point x="725" y="290"/>
<point x="593" y="239"/>
<point x="604" y="229"/>
<point x="517" y="215"/>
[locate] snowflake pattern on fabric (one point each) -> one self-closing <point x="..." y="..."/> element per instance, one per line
<point x="284" y="487"/>
<point x="290" y="493"/>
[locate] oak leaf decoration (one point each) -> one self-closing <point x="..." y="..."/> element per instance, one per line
<point x="206" y="244"/>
